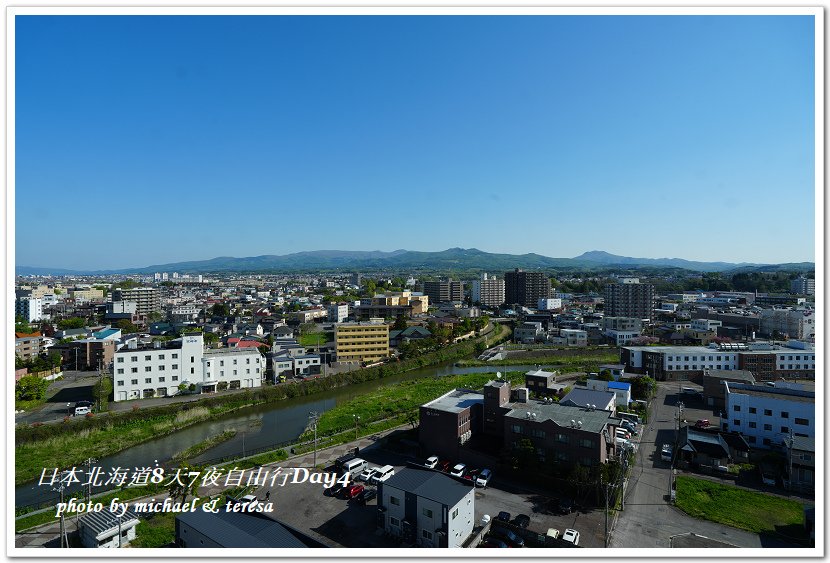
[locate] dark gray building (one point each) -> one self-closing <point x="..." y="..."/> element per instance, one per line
<point x="444" y="291"/>
<point x="525" y="288"/>
<point x="629" y="300"/>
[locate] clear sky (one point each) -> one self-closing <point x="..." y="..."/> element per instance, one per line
<point x="147" y="140"/>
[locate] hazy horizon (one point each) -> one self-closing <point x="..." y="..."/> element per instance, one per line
<point x="645" y="136"/>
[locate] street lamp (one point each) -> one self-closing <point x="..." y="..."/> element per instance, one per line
<point x="312" y="416"/>
<point x="356" y="420"/>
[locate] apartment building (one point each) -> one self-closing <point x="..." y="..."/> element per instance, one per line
<point x="426" y="509"/>
<point x="337" y="312"/>
<point x="141" y="372"/>
<point x="147" y="299"/>
<point x="361" y="341"/>
<point x="803" y="286"/>
<point x="392" y="304"/>
<point x="526" y="288"/>
<point x="767" y="416"/>
<point x="27" y="346"/>
<point x="795" y="323"/>
<point x="629" y="300"/>
<point x="444" y="291"/>
<point x="488" y="291"/>
<point x="30" y="308"/>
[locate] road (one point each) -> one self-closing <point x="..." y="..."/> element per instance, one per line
<point x="649" y="520"/>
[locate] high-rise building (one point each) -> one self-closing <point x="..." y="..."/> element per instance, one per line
<point x="444" y="291"/>
<point x="488" y="291"/>
<point x="629" y="300"/>
<point x="147" y="299"/>
<point x="30" y="308"/>
<point x="526" y="288"/>
<point x="803" y="286"/>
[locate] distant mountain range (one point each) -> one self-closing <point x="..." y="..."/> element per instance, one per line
<point x="450" y="259"/>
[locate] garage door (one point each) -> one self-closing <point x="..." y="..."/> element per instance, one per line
<point x="122" y="395"/>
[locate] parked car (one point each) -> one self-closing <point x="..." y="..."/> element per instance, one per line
<point x="630" y="426"/>
<point x="366" y="495"/>
<point x="444" y="465"/>
<point x="334" y="490"/>
<point x="504" y="516"/>
<point x="471" y="474"/>
<point x="508" y="536"/>
<point x="382" y="474"/>
<point x="571" y="536"/>
<point x="458" y="470"/>
<point x="522" y="520"/>
<point x="666" y="452"/>
<point x="367" y="473"/>
<point x="702" y="423"/>
<point x="493" y="542"/>
<point x="565" y="506"/>
<point x="431" y="462"/>
<point x="553" y="533"/>
<point x="354" y="490"/>
<point x="483" y="478"/>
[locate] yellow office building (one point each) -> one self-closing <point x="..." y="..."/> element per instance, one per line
<point x="361" y="342"/>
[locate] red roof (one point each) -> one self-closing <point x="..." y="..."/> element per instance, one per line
<point x="27" y="335"/>
<point x="233" y="340"/>
<point x="250" y="344"/>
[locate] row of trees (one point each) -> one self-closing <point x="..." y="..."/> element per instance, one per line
<point x="38" y="363"/>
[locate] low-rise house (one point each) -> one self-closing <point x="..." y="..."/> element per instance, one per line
<point x="426" y="509"/>
<point x="223" y="529"/>
<point x="602" y="400"/>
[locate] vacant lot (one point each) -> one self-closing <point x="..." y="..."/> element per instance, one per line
<point x="739" y="508"/>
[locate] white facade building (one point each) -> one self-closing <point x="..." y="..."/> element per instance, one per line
<point x="549" y="304"/>
<point x="795" y="323"/>
<point x="30" y="308"/>
<point x="766" y="416"/>
<point x="705" y="325"/>
<point x="157" y="371"/>
<point x="621" y="337"/>
<point x="337" y="313"/>
<point x="488" y="291"/>
<point x="427" y="509"/>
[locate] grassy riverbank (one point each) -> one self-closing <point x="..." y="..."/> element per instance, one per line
<point x="588" y="361"/>
<point x="204" y="445"/>
<point x="67" y="445"/>
<point x="393" y="405"/>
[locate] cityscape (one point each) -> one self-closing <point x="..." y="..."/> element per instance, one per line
<point x="399" y="300"/>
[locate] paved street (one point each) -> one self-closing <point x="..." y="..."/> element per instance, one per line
<point x="648" y="519"/>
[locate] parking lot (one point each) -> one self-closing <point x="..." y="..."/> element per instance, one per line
<point x="338" y="522"/>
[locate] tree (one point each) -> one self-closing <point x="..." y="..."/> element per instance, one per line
<point x="210" y="338"/>
<point x="126" y="326"/>
<point x="642" y="387"/>
<point x="370" y="287"/>
<point x="70" y="323"/>
<point x="220" y="310"/>
<point x="31" y="388"/>
<point x="605" y="375"/>
<point x="179" y="488"/>
<point x="400" y="323"/>
<point x="101" y="392"/>
<point x="127" y="284"/>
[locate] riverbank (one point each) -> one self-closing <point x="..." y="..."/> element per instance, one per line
<point x="66" y="445"/>
<point x="589" y="361"/>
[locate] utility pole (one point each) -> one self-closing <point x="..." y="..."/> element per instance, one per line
<point x="313" y="416"/>
<point x="356" y="420"/>
<point x="89" y="462"/>
<point x="606" y="508"/>
<point x="63" y="535"/>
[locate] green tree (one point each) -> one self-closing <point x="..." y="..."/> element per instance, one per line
<point x="369" y="287"/>
<point x="126" y="326"/>
<point x="400" y="323"/>
<point x="643" y="387"/>
<point x="101" y="392"/>
<point x="210" y="338"/>
<point x="127" y="284"/>
<point x="31" y="388"/>
<point x="72" y="322"/>
<point x="220" y="310"/>
<point x="605" y="375"/>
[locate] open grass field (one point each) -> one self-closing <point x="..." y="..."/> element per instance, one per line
<point x="739" y="508"/>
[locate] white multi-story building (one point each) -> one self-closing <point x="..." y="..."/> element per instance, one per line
<point x="184" y="312"/>
<point x="549" y="304"/>
<point x="767" y="416"/>
<point x="30" y="308"/>
<point x="621" y="337"/>
<point x="158" y="370"/>
<point x="337" y="312"/>
<point x="795" y="323"/>
<point x="803" y="286"/>
<point x="426" y="508"/>
<point x="488" y="291"/>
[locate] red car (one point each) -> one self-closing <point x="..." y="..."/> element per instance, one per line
<point x="702" y="423"/>
<point x="354" y="490"/>
<point x="444" y="465"/>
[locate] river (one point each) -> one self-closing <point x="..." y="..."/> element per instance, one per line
<point x="256" y="427"/>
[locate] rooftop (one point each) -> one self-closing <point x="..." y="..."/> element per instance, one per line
<point x="456" y="401"/>
<point x="562" y="415"/>
<point x="104" y="521"/>
<point x="229" y="351"/>
<point x="429" y="484"/>
<point x="771" y="392"/>
<point x="232" y="529"/>
<point x="583" y="397"/>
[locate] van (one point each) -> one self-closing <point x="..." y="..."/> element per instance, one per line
<point x="82" y="411"/>
<point x="688" y="391"/>
<point x="622" y="433"/>
<point x="354" y="466"/>
<point x="382" y="474"/>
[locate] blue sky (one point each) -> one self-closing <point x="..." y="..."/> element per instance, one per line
<point x="147" y="140"/>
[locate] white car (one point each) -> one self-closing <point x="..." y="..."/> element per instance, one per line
<point x="367" y="473"/>
<point x="458" y="470"/>
<point x="483" y="478"/>
<point x="431" y="462"/>
<point x="666" y="452"/>
<point x="571" y="536"/>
